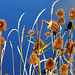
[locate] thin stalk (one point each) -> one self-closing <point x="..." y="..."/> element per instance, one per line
<point x="60" y="30"/>
<point x="0" y="49"/>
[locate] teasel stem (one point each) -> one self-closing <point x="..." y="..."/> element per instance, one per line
<point x="60" y="29"/>
<point x="49" y="72"/>
<point x="67" y="39"/>
<point x="34" y="69"/>
<point x="0" y="48"/>
<point x="54" y="53"/>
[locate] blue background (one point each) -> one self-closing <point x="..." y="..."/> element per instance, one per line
<point x="11" y="10"/>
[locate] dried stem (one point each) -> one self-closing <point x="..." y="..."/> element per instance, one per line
<point x="0" y="50"/>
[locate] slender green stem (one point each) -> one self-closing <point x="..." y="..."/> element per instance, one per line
<point x="39" y="65"/>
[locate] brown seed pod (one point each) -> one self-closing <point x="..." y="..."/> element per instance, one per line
<point x="31" y="32"/>
<point x="72" y="13"/>
<point x="2" y="40"/>
<point x="53" y="26"/>
<point x="70" y="48"/>
<point x="48" y="34"/>
<point x="33" y="59"/>
<point x="58" y="43"/>
<point x="2" y="25"/>
<point x="50" y="64"/>
<point x="60" y="12"/>
<point x="35" y="48"/>
<point x="61" y="20"/>
<point x="63" y="69"/>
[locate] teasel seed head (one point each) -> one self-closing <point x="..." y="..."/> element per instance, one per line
<point x="63" y="69"/>
<point x="2" y="40"/>
<point x="70" y="25"/>
<point x="48" y="34"/>
<point x="72" y="14"/>
<point x="60" y="12"/>
<point x="58" y="43"/>
<point x="33" y="59"/>
<point x="2" y="25"/>
<point x="54" y="26"/>
<point x="49" y="64"/>
<point x="31" y="32"/>
<point x="61" y="20"/>
<point x="70" y="48"/>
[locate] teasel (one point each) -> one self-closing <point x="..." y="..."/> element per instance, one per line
<point x="70" y="25"/>
<point x="70" y="48"/>
<point x="60" y="12"/>
<point x="72" y="14"/>
<point x="33" y="60"/>
<point x="54" y="26"/>
<point x="31" y="32"/>
<point x="35" y="48"/>
<point x="61" y="20"/>
<point x="58" y="43"/>
<point x="47" y="34"/>
<point x="63" y="69"/>
<point x="49" y="64"/>
<point x="2" y="28"/>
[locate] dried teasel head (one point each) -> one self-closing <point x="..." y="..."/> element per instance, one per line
<point x="72" y="13"/>
<point x="53" y="26"/>
<point x="60" y="12"/>
<point x="2" y="25"/>
<point x="35" y="48"/>
<point x="48" y="34"/>
<point x="2" y="40"/>
<point x="50" y="64"/>
<point x="31" y="32"/>
<point x="70" y="25"/>
<point x="61" y="20"/>
<point x="63" y="69"/>
<point x="70" y="48"/>
<point x="33" y="59"/>
<point x="58" y="43"/>
<point x="41" y="43"/>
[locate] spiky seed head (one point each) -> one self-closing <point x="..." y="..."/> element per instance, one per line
<point x="72" y="13"/>
<point x="61" y="20"/>
<point x="50" y="64"/>
<point x="31" y="32"/>
<point x="70" y="48"/>
<point x="60" y="12"/>
<point x="70" y="25"/>
<point x="63" y="69"/>
<point x="2" y="25"/>
<point x="2" y="40"/>
<point x="48" y="34"/>
<point x="33" y="59"/>
<point x="54" y="26"/>
<point x="58" y="43"/>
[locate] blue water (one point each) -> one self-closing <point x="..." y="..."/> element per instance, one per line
<point x="11" y="10"/>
